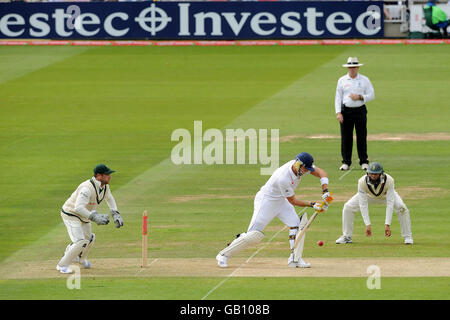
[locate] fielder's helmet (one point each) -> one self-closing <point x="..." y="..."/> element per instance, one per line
<point x="375" y="167"/>
<point x="306" y="160"/>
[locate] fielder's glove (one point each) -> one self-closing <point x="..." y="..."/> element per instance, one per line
<point x="117" y="218"/>
<point x="99" y="218"/>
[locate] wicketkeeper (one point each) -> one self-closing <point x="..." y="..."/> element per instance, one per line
<point x="277" y="199"/>
<point x="375" y="187"/>
<point x="78" y="212"/>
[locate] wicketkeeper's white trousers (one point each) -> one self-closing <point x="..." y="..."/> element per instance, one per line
<point x="77" y="229"/>
<point x="352" y="206"/>
<point x="82" y="238"/>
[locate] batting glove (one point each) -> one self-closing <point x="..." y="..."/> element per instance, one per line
<point x="326" y="196"/>
<point x="320" y="208"/>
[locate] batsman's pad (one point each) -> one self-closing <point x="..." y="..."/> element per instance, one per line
<point x="245" y="239"/>
<point x="298" y="251"/>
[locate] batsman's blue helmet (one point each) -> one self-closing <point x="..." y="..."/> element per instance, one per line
<point x="306" y="160"/>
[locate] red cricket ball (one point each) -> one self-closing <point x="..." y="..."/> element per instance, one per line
<point x="320" y="243"/>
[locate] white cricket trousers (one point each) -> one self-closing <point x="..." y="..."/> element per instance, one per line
<point x="77" y="229"/>
<point x="82" y="239"/>
<point x="352" y="206"/>
<point x="266" y="209"/>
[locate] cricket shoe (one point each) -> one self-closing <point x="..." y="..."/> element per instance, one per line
<point x="298" y="264"/>
<point x="364" y="166"/>
<point x="63" y="269"/>
<point x="291" y="262"/>
<point x="409" y="240"/>
<point x="85" y="264"/>
<point x="344" y="167"/>
<point x="222" y="261"/>
<point x="344" y="239"/>
<point x="303" y="264"/>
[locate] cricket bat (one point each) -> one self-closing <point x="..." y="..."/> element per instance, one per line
<point x="302" y="233"/>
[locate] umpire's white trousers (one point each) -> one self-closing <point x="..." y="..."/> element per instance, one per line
<point x="352" y="206"/>
<point x="266" y="209"/>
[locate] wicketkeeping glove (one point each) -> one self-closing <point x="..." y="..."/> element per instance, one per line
<point x="117" y="218"/>
<point x="99" y="218"/>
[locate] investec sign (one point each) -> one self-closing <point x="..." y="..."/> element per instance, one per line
<point x="192" y="20"/>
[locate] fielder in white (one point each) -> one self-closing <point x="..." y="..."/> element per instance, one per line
<point x="78" y="212"/>
<point x="375" y="187"/>
<point x="277" y="199"/>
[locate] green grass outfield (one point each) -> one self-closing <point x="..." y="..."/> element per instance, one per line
<point x="181" y="288"/>
<point x="65" y="109"/>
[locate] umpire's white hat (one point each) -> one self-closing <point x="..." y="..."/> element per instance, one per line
<point x="352" y="62"/>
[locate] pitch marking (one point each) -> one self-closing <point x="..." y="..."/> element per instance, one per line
<point x="142" y="269"/>
<point x="346" y="173"/>
<point x="248" y="260"/>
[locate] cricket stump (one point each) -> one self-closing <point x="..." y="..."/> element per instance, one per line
<point x="144" y="239"/>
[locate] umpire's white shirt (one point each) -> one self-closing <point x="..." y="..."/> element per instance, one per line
<point x="347" y="85"/>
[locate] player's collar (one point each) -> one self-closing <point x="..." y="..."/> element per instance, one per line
<point x="97" y="184"/>
<point x="291" y="173"/>
<point x="355" y="78"/>
<point x="382" y="180"/>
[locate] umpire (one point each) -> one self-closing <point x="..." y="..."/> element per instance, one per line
<point x="353" y="91"/>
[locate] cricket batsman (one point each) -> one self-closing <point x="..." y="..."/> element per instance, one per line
<point x="375" y="186"/>
<point x="277" y="199"/>
<point x="78" y="212"/>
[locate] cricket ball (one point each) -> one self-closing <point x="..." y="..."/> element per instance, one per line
<point x="320" y="243"/>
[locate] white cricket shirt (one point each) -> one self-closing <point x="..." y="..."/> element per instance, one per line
<point x="86" y="199"/>
<point x="359" y="85"/>
<point x="384" y="191"/>
<point x="282" y="183"/>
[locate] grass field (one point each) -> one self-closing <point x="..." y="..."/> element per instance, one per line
<point x="65" y="109"/>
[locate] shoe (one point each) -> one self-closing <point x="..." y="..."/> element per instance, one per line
<point x="291" y="262"/>
<point x="303" y="264"/>
<point x="85" y="264"/>
<point x="63" y="269"/>
<point x="409" y="240"/>
<point x="364" y="166"/>
<point x="222" y="261"/>
<point x="344" y="239"/>
<point x="344" y="167"/>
